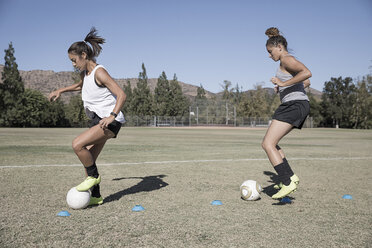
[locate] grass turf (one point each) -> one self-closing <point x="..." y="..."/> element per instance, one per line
<point x="209" y="164"/>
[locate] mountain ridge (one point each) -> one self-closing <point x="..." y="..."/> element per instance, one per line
<point x="46" y="81"/>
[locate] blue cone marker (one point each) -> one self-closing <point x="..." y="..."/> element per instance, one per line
<point x="349" y="197"/>
<point x="137" y="208"/>
<point x="216" y="203"/>
<point x="286" y="200"/>
<point x="63" y="213"/>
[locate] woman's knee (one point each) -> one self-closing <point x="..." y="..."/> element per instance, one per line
<point x="76" y="145"/>
<point x="266" y="145"/>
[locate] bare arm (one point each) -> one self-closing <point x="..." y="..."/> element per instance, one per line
<point x="53" y="96"/>
<point x="103" y="78"/>
<point x="298" y="70"/>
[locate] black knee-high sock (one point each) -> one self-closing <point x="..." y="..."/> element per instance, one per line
<point x="284" y="177"/>
<point x="288" y="168"/>
<point x="95" y="191"/>
<point x="92" y="170"/>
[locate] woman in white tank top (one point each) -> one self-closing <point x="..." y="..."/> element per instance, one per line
<point x="291" y="79"/>
<point x="103" y="98"/>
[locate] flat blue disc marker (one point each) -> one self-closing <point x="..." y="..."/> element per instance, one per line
<point x="216" y="203"/>
<point x="349" y="197"/>
<point x="63" y="213"/>
<point x="286" y="200"/>
<point x="137" y="208"/>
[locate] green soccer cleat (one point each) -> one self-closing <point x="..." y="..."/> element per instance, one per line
<point x="294" y="179"/>
<point x="88" y="183"/>
<point x="285" y="190"/>
<point x="95" y="201"/>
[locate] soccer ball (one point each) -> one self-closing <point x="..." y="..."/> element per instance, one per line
<point x="250" y="190"/>
<point x="76" y="199"/>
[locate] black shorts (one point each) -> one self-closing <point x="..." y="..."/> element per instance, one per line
<point x="113" y="126"/>
<point x="293" y="112"/>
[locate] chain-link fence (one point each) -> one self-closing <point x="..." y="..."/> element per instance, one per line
<point x="217" y="114"/>
<point x="197" y="120"/>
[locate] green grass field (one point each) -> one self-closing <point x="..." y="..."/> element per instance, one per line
<point x="175" y="174"/>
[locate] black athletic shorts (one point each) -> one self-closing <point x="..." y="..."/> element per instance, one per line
<point x="293" y="112"/>
<point x="113" y="126"/>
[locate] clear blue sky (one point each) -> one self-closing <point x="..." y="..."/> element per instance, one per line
<point x="202" y="41"/>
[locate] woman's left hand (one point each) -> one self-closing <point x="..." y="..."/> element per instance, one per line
<point x="276" y="81"/>
<point x="276" y="89"/>
<point x="106" y="121"/>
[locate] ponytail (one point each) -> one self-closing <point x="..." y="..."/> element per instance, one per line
<point x="90" y="46"/>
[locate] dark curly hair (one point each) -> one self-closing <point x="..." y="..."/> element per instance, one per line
<point x="275" y="38"/>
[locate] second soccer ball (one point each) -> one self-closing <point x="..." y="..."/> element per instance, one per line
<point x="250" y="190"/>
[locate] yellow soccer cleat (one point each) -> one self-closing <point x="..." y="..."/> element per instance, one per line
<point x="88" y="183"/>
<point x="285" y="190"/>
<point x="95" y="201"/>
<point x="294" y="179"/>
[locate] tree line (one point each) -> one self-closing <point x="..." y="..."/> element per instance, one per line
<point x="344" y="103"/>
<point x="21" y="107"/>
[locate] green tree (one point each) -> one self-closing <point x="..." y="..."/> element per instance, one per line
<point x="244" y="107"/>
<point x="237" y="94"/>
<point x="127" y="107"/>
<point x="226" y="93"/>
<point x="35" y="109"/>
<point x="55" y="115"/>
<point x="162" y="97"/>
<point x="362" y="108"/>
<point x="75" y="112"/>
<point x="315" y="110"/>
<point x="11" y="91"/>
<point x="273" y="101"/>
<point x="213" y="109"/>
<point x="142" y="97"/>
<point x="202" y="107"/>
<point x="179" y="104"/>
<point x="254" y="104"/>
<point x="200" y="94"/>
<point x="337" y="102"/>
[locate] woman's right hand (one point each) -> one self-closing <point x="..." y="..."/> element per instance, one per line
<point x="53" y="96"/>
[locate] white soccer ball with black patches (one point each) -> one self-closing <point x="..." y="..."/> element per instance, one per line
<point x="250" y="190"/>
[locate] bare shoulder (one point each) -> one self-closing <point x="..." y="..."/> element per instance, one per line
<point x="103" y="77"/>
<point x="291" y="64"/>
<point x="101" y="72"/>
<point x="289" y="59"/>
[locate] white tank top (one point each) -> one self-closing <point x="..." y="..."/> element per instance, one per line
<point x="98" y="99"/>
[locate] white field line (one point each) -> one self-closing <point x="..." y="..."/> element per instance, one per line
<point x="182" y="161"/>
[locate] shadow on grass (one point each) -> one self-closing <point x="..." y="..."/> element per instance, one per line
<point x="147" y="184"/>
<point x="270" y="191"/>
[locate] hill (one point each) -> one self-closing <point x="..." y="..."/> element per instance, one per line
<point x="316" y="93"/>
<point x="47" y="81"/>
